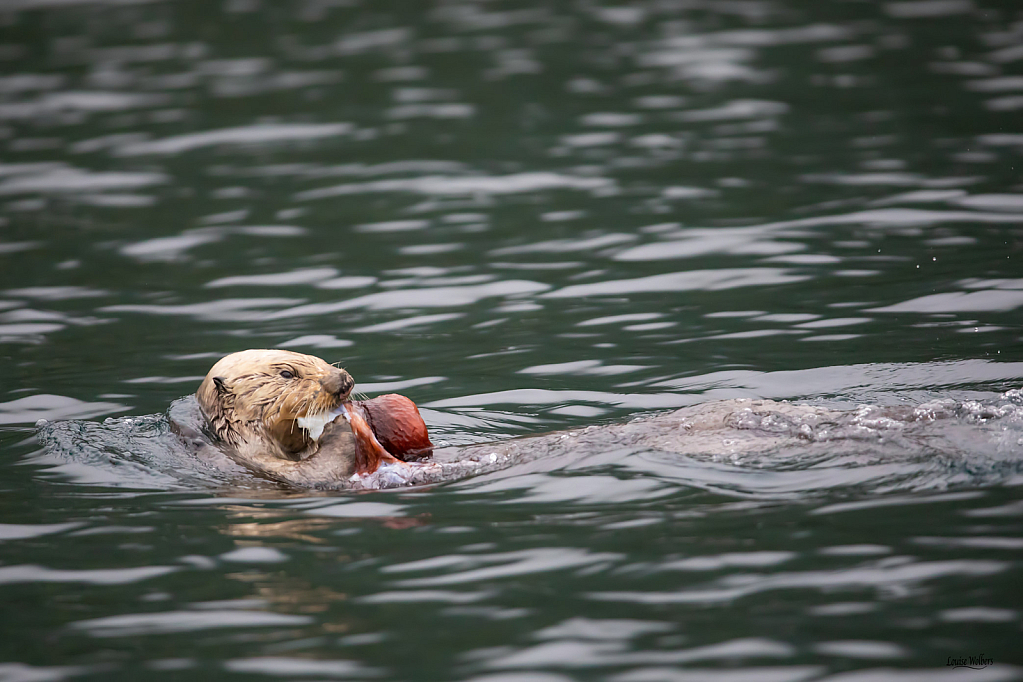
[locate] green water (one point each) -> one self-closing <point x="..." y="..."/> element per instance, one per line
<point x="526" y="218"/>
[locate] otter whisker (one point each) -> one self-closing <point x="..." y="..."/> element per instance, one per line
<point x="284" y="399"/>
<point x="278" y="405"/>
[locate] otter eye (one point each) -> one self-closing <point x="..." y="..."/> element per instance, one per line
<point x="286" y="374"/>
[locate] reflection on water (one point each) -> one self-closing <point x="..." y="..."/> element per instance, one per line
<point x="526" y="218"/>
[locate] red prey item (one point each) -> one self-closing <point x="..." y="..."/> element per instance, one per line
<point x="398" y="426"/>
<point x="387" y="428"/>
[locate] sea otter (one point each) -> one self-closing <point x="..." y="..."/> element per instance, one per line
<point x="287" y="416"/>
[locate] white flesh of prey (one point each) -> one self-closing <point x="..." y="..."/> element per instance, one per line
<point x="314" y="424"/>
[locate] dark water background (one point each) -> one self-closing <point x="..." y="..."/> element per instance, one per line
<point x="526" y="218"/>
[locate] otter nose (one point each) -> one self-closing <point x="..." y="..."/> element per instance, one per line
<point x="338" y="382"/>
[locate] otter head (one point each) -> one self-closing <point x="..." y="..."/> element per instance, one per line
<point x="273" y="395"/>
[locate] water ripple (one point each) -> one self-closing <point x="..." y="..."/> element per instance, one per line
<point x="878" y="576"/>
<point x="183" y="621"/>
<point x="258" y="135"/>
<point x="103" y="576"/>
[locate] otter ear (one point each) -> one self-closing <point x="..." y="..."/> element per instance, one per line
<point x="220" y="384"/>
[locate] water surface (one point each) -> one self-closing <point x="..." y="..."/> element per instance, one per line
<point x="526" y="218"/>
